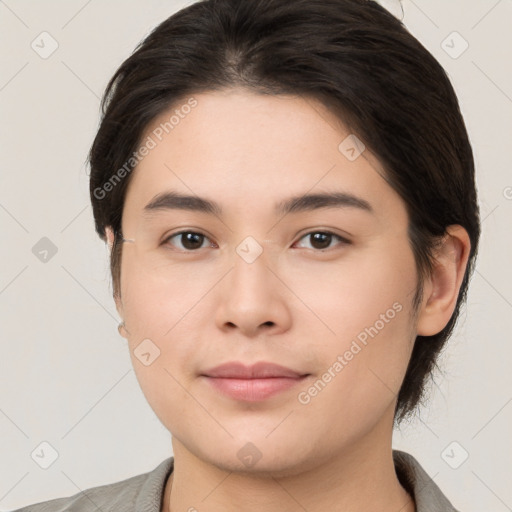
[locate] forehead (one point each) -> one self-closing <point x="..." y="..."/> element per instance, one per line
<point x="245" y="148"/>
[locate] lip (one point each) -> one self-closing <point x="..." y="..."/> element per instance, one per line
<point x="252" y="383"/>
<point x="260" y="370"/>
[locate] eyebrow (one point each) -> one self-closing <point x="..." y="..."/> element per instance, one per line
<point x="173" y="200"/>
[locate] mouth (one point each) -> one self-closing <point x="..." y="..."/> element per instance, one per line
<point x="252" y="383"/>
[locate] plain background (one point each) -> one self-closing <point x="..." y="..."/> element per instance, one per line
<point x="66" y="376"/>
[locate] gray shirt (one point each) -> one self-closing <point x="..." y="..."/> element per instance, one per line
<point x="144" y="492"/>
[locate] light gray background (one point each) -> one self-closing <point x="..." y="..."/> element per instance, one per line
<point x="65" y="375"/>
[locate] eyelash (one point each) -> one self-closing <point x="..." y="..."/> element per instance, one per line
<point x="343" y="241"/>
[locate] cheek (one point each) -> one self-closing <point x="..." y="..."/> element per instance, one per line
<point x="159" y="315"/>
<point x="362" y="367"/>
<point x="366" y="307"/>
<point x="154" y="299"/>
<point x="345" y="297"/>
<point x="167" y="308"/>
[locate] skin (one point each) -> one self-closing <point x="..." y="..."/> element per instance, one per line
<point x="295" y="305"/>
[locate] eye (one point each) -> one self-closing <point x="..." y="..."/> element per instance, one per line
<point x="190" y="240"/>
<point x="321" y="240"/>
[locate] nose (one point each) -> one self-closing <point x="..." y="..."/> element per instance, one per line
<point x="253" y="299"/>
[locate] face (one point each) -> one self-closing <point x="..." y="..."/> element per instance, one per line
<point x="323" y="288"/>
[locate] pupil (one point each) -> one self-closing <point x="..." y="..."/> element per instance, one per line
<point x="189" y="240"/>
<point x="321" y="237"/>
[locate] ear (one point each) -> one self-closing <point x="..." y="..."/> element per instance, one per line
<point x="109" y="233"/>
<point x="441" y="289"/>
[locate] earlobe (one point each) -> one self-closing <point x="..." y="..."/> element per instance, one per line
<point x="109" y="233"/>
<point x="122" y="330"/>
<point x="442" y="287"/>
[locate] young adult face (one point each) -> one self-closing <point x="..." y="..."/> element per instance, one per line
<point x="257" y="285"/>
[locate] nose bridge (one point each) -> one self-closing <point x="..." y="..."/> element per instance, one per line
<point x="251" y="295"/>
<point x="251" y="273"/>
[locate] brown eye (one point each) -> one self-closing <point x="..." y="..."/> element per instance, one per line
<point x="321" y="240"/>
<point x="190" y="240"/>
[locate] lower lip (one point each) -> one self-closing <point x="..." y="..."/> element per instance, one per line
<point x="253" y="390"/>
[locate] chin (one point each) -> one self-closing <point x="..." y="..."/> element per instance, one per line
<point x="260" y="458"/>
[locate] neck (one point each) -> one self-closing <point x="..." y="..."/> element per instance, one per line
<point x="358" y="479"/>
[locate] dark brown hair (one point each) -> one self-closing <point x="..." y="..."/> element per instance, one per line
<point x="353" y="56"/>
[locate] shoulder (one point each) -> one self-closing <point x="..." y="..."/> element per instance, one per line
<point x="412" y="476"/>
<point x="140" y="492"/>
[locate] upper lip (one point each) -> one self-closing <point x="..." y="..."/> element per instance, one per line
<point x="260" y="370"/>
